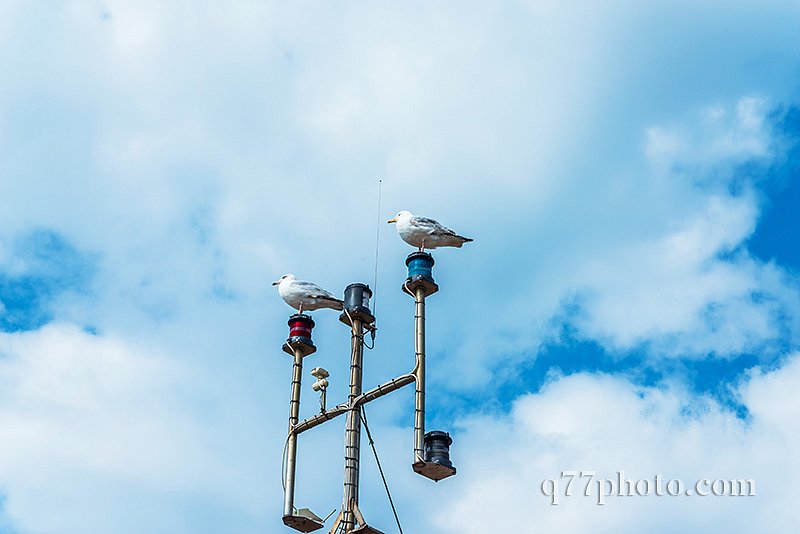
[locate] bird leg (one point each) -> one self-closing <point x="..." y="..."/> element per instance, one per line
<point x="422" y="246"/>
<point x="301" y="309"/>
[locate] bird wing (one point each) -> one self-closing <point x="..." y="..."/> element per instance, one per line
<point x="314" y="291"/>
<point x="431" y="226"/>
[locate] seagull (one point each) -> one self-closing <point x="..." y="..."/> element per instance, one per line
<point x="426" y="233"/>
<point x="305" y="295"/>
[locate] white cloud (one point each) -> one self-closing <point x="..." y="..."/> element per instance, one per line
<point x="670" y="289"/>
<point x="99" y="435"/>
<point x="721" y="135"/>
<point x="654" y="256"/>
<point x="693" y="288"/>
<point x="606" y="424"/>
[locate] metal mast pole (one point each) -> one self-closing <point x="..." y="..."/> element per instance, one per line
<point x="299" y="345"/>
<point x="291" y="446"/>
<point x="431" y="450"/>
<point x="419" y="371"/>
<point x="352" y="449"/>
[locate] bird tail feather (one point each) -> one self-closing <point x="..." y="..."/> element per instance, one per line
<point x="339" y="304"/>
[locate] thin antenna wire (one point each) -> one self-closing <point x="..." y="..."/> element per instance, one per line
<point x="377" y="242"/>
<point x="380" y="469"/>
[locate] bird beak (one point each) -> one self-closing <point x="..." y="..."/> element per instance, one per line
<point x="276" y="282"/>
<point x="391" y="220"/>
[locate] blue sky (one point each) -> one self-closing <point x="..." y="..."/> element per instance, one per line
<point x="629" y="172"/>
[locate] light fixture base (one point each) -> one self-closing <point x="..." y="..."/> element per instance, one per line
<point x="301" y="523"/>
<point x="305" y="345"/>
<point x="433" y="470"/>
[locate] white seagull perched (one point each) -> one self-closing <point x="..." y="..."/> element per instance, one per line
<point x="426" y="233"/>
<point x="302" y="295"/>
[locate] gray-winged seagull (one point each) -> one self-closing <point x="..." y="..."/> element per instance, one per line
<point x="302" y="295"/>
<point x="425" y="233"/>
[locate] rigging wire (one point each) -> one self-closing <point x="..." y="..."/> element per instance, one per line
<point x="380" y="469"/>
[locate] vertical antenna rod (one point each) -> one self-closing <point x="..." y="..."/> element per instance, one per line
<point x="377" y="246"/>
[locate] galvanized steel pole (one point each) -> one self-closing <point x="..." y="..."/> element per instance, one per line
<point x="419" y="373"/>
<point x="291" y="446"/>
<point x="352" y="450"/>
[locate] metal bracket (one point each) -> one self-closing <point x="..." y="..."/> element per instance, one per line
<point x="427" y="284"/>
